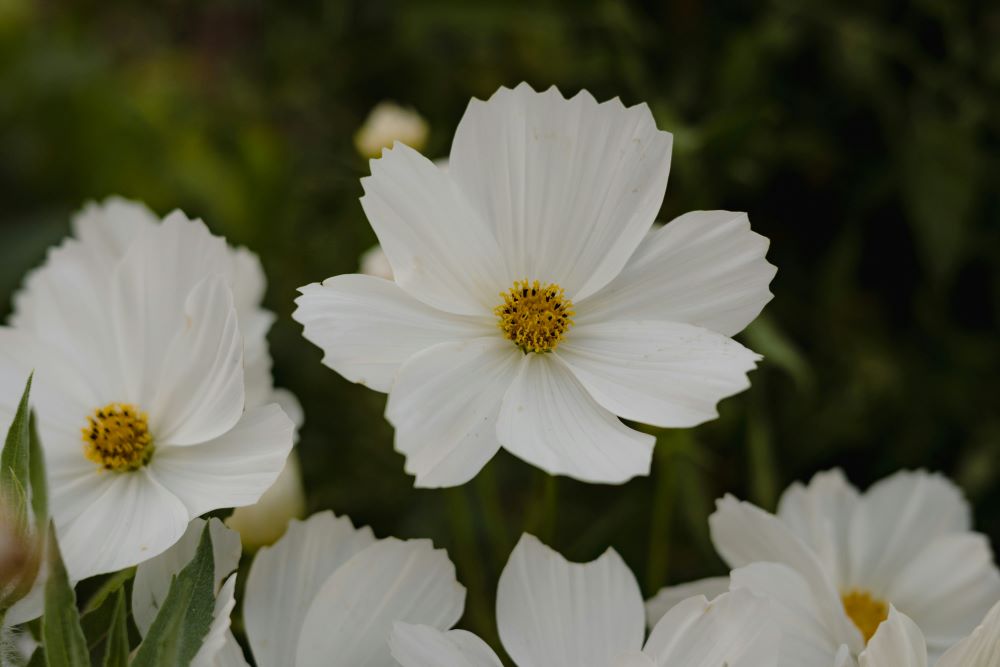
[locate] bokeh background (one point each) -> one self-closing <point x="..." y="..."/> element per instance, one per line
<point x="862" y="138"/>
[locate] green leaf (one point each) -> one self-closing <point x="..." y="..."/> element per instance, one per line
<point x="186" y="614"/>
<point x="14" y="463"/>
<point x="116" y="649"/>
<point x="36" y="473"/>
<point x="62" y="635"/>
<point x="109" y="587"/>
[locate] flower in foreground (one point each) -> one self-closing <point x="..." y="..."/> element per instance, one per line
<point x="532" y="305"/>
<point x="139" y="393"/>
<point x="152" y="583"/>
<point x="554" y="613"/>
<point x="327" y="593"/>
<point x="835" y="561"/>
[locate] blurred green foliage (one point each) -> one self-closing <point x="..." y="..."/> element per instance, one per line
<point x="862" y="137"/>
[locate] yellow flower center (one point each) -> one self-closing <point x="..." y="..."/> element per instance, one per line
<point x="117" y="438"/>
<point x="535" y="318"/>
<point x="866" y="612"/>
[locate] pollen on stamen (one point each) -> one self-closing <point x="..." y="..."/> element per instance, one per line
<point x="866" y="612"/>
<point x="533" y="317"/>
<point x="117" y="438"/>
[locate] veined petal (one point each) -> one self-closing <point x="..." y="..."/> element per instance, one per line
<point x="153" y="577"/>
<point x="553" y="613"/>
<point x="285" y="578"/>
<point x="635" y="659"/>
<point x="670" y="596"/>
<point x="424" y="646"/>
<point x="444" y="406"/>
<point x="440" y="249"/>
<point x="981" y="648"/>
<point x="736" y="629"/>
<point x="353" y="613"/>
<point x="368" y="327"/>
<point x="200" y="393"/>
<point x="661" y="373"/>
<point x="120" y="520"/>
<point x="898" y="642"/>
<point x="112" y="225"/>
<point x="549" y="420"/>
<point x="569" y="187"/>
<point x="232" y="470"/>
<point x="705" y="268"/>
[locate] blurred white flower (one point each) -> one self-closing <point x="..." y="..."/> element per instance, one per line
<point x="153" y="578"/>
<point x="139" y="391"/>
<point x="375" y="263"/>
<point x="265" y="521"/>
<point x="387" y="123"/>
<point x="835" y="561"/>
<point x="554" y="613"/>
<point x="533" y="304"/>
<point x="328" y="593"/>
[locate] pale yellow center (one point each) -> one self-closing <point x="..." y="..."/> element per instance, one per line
<point x="533" y="317"/>
<point x="866" y="611"/>
<point x="117" y="437"/>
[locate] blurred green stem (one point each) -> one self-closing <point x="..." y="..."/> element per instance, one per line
<point x="664" y="498"/>
<point x="469" y="564"/>
<point x="763" y="487"/>
<point x="496" y="523"/>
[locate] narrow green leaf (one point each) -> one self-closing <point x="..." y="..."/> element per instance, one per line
<point x="186" y="615"/>
<point x="116" y="649"/>
<point x="110" y="586"/>
<point x="36" y="473"/>
<point x="62" y="636"/>
<point x="14" y="463"/>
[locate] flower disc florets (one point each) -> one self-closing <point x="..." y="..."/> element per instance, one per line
<point x="535" y="318"/>
<point x="117" y="438"/>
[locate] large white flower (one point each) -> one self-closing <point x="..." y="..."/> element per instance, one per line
<point x="899" y="642"/>
<point x="553" y="613"/>
<point x="139" y="392"/>
<point x="327" y="593"/>
<point x="835" y="560"/>
<point x="532" y="305"/>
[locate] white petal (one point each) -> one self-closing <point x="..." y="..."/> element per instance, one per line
<point x="218" y="632"/>
<point x="200" y="391"/>
<point x="112" y="225"/>
<point x="898" y="642"/>
<point x="661" y="373"/>
<point x="424" y="646"/>
<point x="119" y="520"/>
<point x="569" y="187"/>
<point x="352" y="616"/>
<point x="232" y="470"/>
<point x="820" y="514"/>
<point x="946" y="600"/>
<point x="635" y="659"/>
<point x="981" y="648"/>
<point x="231" y="654"/>
<point x="440" y="249"/>
<point x="284" y="580"/>
<point x="844" y="658"/>
<point x="670" y="596"/>
<point x="444" y="406"/>
<point x="704" y="268"/>
<point x="744" y="534"/>
<point x="367" y="327"/>
<point x="807" y="638"/>
<point x="265" y="521"/>
<point x="553" y="613"/>
<point x="549" y="420"/>
<point x="736" y="629"/>
<point x="152" y="578"/>
<point x="897" y="517"/>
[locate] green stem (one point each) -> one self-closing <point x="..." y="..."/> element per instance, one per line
<point x="661" y="520"/>
<point x="496" y="523"/>
<point x="469" y="563"/>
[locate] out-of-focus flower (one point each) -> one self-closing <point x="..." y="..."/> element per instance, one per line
<point x="387" y="123"/>
<point x="153" y="578"/>
<point x="532" y="303"/>
<point x="375" y="263"/>
<point x="329" y="589"/>
<point x="555" y="613"/>
<point x="139" y="391"/>
<point x="265" y="521"/>
<point x="835" y="561"/>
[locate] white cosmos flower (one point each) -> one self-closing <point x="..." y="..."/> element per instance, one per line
<point x="553" y="613"/>
<point x="532" y="304"/>
<point x="153" y="579"/>
<point x="326" y="594"/>
<point x="836" y="560"/>
<point x="265" y="521"/>
<point x="139" y="393"/>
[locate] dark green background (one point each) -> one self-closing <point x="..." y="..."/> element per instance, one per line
<point x="862" y="138"/>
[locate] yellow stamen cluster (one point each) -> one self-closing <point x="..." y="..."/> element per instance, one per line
<point x="866" y="612"/>
<point x="117" y="438"/>
<point x="535" y="318"/>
